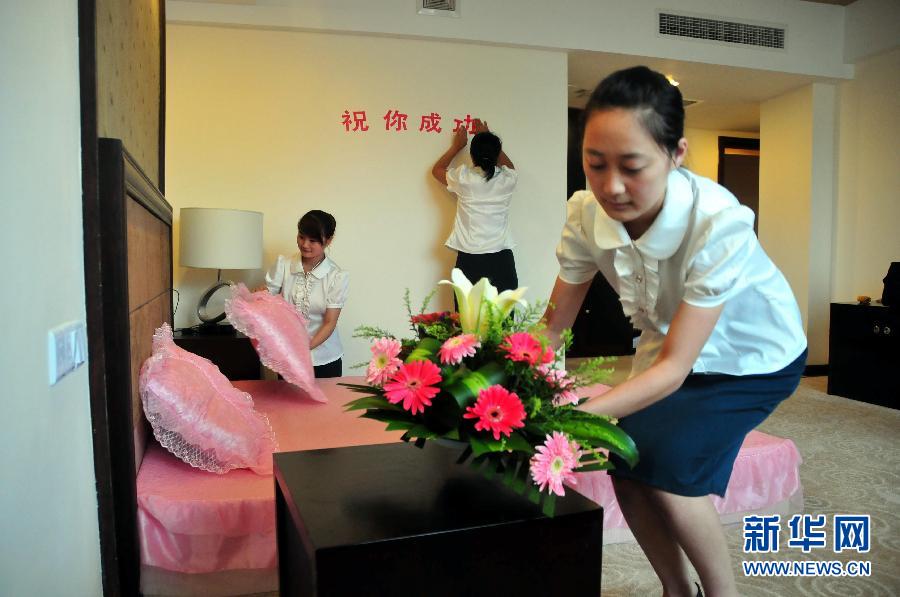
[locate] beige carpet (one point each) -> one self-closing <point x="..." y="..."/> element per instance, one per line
<point x="850" y="466"/>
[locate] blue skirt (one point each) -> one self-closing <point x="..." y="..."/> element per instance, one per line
<point x="688" y="441"/>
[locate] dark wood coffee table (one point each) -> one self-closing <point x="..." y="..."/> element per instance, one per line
<point x="392" y="519"/>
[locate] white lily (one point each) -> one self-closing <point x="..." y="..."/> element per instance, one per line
<point x="474" y="301"/>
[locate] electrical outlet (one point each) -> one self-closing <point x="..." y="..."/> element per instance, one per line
<point x="66" y="349"/>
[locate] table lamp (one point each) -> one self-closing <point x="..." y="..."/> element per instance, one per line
<point x="220" y="239"/>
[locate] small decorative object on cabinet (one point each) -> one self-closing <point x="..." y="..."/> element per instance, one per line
<point x="231" y="352"/>
<point x="864" y="353"/>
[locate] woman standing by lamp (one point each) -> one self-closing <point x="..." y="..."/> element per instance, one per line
<point x="317" y="287"/>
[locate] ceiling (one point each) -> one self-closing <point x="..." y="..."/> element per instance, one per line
<point x="728" y="97"/>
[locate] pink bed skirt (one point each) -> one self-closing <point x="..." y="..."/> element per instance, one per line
<point x="195" y="522"/>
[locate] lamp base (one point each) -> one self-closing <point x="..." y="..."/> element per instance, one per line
<point x="201" y="307"/>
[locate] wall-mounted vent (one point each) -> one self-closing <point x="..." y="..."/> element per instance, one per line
<point x="731" y="32"/>
<point x="447" y="8"/>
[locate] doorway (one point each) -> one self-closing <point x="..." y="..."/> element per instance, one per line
<point x="739" y="171"/>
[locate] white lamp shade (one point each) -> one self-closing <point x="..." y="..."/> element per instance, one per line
<point x="221" y="238"/>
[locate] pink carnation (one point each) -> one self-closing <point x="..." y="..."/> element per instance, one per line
<point x="549" y="355"/>
<point x="414" y="385"/>
<point x="522" y="346"/>
<point x="554" y="463"/>
<point x="498" y="410"/>
<point x="456" y="348"/>
<point x="384" y="361"/>
<point x="558" y="379"/>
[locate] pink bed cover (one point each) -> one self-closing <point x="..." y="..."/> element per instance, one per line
<point x="192" y="521"/>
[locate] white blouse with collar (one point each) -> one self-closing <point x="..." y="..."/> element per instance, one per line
<point x="325" y="287"/>
<point x="702" y="250"/>
<point x="481" y="224"/>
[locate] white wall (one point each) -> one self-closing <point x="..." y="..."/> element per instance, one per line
<point x="814" y="46"/>
<point x="254" y="122"/>
<point x="784" y="186"/>
<point x="868" y="205"/>
<point x="49" y="542"/>
<point x="797" y="197"/>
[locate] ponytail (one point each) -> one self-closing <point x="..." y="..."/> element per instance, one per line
<point x="485" y="150"/>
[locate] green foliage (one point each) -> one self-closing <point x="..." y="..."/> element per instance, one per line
<point x="593" y="371"/>
<point x="372" y="332"/>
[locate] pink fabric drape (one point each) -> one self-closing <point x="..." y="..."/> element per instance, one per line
<point x="192" y="521"/>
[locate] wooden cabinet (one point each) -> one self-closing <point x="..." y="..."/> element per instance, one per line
<point x="864" y="353"/>
<point x="231" y="352"/>
<point x="391" y="519"/>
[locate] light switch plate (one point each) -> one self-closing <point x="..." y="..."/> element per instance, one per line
<point x="66" y="349"/>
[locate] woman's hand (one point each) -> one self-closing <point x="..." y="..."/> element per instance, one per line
<point x="460" y="138"/>
<point x="480" y="126"/>
<point x="690" y="329"/>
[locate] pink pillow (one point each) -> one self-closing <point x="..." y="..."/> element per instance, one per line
<point x="282" y="339"/>
<point x="198" y="415"/>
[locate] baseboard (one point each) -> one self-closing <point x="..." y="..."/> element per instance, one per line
<point x="815" y="370"/>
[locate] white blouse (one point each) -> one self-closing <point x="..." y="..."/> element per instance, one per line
<point x="482" y="209"/>
<point x="325" y="287"/>
<point x="702" y="250"/>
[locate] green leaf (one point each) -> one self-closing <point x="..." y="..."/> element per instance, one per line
<point x="421" y="431"/>
<point x="367" y="402"/>
<point x="549" y="505"/>
<point x="466" y="389"/>
<point x="397" y="425"/>
<point x="523" y="477"/>
<point x="513" y="464"/>
<point x="425" y="350"/>
<point x="518" y="442"/>
<point x="359" y="387"/>
<point x="387" y="416"/>
<point x="598" y="432"/>
<point x="482" y="445"/>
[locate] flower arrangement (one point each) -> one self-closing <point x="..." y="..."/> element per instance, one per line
<point x="487" y="378"/>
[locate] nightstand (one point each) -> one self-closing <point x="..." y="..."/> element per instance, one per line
<point x="232" y="353"/>
<point x="864" y="352"/>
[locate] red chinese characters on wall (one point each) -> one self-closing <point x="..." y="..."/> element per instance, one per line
<point x="393" y="119"/>
<point x="355" y="121"/>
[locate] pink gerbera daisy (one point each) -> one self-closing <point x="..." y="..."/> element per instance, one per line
<point x="522" y="346"/>
<point x="384" y="361"/>
<point x="414" y="385"/>
<point x="554" y="463"/>
<point x="498" y="410"/>
<point x="456" y="348"/>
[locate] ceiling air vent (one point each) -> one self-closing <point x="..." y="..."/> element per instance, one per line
<point x="447" y="8"/>
<point x="732" y="32"/>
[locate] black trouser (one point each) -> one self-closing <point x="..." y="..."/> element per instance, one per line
<point x="332" y="369"/>
<point x="499" y="268"/>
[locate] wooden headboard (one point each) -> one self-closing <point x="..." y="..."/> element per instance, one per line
<point x="136" y="280"/>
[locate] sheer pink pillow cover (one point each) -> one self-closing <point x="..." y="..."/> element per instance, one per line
<point x="279" y="330"/>
<point x="198" y="415"/>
